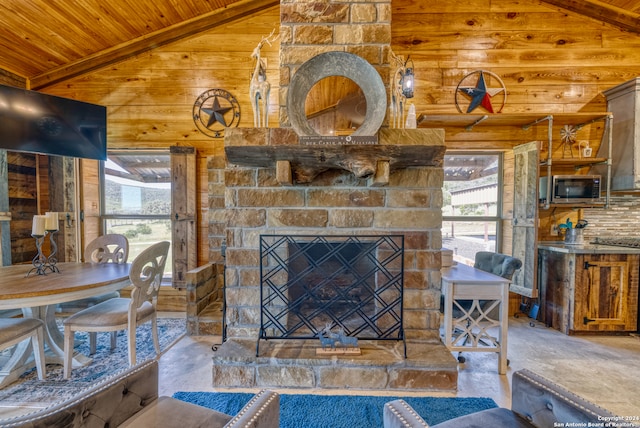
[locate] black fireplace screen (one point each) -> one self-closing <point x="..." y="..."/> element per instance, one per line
<point x="309" y="283"/>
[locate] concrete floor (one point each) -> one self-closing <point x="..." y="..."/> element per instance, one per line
<point x="603" y="369"/>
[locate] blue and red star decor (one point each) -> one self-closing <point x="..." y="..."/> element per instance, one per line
<point x="480" y="94"/>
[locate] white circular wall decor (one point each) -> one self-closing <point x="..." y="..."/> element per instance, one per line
<point x="343" y="64"/>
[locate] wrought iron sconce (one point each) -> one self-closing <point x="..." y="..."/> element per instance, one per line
<point x="407" y="79"/>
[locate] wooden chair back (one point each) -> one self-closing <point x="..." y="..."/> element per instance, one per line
<point x="146" y="274"/>
<point x="109" y="248"/>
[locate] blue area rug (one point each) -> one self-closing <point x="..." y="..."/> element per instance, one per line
<point x="105" y="364"/>
<point x="340" y="411"/>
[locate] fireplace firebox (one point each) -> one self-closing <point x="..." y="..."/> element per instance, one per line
<point x="310" y="282"/>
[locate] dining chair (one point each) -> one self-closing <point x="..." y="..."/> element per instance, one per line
<point x="108" y="248"/>
<point x="123" y="313"/>
<point x="15" y="330"/>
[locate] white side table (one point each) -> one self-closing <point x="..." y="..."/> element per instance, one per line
<point x="469" y="333"/>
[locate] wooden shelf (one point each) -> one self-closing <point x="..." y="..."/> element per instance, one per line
<point x="573" y="206"/>
<point x="577" y="163"/>
<point x="522" y="120"/>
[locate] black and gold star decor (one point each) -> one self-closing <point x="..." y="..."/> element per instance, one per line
<point x="488" y="92"/>
<point x="215" y="110"/>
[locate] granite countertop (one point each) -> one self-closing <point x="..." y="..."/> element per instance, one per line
<point x="586" y="248"/>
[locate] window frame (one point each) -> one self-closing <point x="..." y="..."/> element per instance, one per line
<point x="104" y="217"/>
<point x="497" y="219"/>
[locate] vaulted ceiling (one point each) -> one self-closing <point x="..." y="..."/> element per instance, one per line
<point x="47" y="42"/>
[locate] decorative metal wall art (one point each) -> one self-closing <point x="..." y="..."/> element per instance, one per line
<point x="260" y="87"/>
<point x="488" y="92"/>
<point x="398" y="99"/>
<point x="568" y="135"/>
<point x="215" y="110"/>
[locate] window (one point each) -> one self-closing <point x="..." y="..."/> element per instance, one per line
<point x="137" y="198"/>
<point x="472" y="205"/>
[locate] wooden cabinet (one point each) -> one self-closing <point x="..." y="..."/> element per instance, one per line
<point x="603" y="297"/>
<point x="589" y="292"/>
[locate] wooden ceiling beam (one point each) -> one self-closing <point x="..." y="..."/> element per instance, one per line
<point x="142" y="44"/>
<point x="601" y="11"/>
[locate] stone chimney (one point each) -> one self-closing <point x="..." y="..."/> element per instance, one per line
<point x="309" y="28"/>
<point x="283" y="183"/>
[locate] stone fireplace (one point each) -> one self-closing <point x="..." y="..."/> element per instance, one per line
<point x="263" y="197"/>
<point x="335" y="202"/>
<point x="272" y="183"/>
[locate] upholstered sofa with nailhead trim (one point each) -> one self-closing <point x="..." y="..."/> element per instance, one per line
<point x="131" y="400"/>
<point x="535" y="402"/>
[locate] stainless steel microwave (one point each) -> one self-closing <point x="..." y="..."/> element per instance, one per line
<point x="573" y="189"/>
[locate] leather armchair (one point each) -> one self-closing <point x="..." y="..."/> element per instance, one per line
<point x="130" y="399"/>
<point x="535" y="402"/>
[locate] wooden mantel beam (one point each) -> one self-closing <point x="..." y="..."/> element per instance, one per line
<point x="142" y="44"/>
<point x="601" y="11"/>
<point x="364" y="161"/>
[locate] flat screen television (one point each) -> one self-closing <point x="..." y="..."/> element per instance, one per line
<point x="35" y="122"/>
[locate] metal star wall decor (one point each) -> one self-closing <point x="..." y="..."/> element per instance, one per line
<point x="215" y="110"/>
<point x="488" y="92"/>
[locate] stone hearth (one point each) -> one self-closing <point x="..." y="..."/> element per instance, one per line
<point x="294" y="364"/>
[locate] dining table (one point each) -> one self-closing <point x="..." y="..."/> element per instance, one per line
<point x="38" y="295"/>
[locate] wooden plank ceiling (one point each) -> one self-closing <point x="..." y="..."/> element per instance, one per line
<point x="48" y="42"/>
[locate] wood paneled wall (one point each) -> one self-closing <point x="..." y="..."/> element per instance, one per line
<point x="550" y="61"/>
<point x="23" y="191"/>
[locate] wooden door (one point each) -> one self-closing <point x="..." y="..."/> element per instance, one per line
<point x="5" y="214"/>
<point x="89" y="190"/>
<point x="603" y="299"/>
<point x="57" y="191"/>
<point x="183" y="213"/>
<point x="525" y="213"/>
